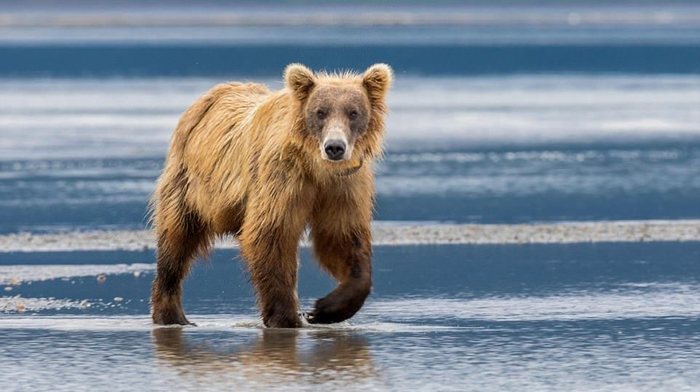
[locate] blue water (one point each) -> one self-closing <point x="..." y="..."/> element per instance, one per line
<point x="599" y="182"/>
<point x="220" y="285"/>
<point x="521" y="114"/>
<point x="603" y="316"/>
<point x="85" y="153"/>
<point x="220" y="60"/>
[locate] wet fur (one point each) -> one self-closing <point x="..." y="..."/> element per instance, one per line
<point x="244" y="162"/>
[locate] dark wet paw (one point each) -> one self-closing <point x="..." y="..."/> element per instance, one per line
<point x="282" y="321"/>
<point x="339" y="305"/>
<point x="328" y="312"/>
<point x="171" y="318"/>
<point x="316" y="317"/>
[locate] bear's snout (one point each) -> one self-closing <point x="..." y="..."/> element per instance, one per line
<point x="335" y="149"/>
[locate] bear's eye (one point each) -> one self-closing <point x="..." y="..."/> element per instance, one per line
<point x="320" y="114"/>
<point x="352" y="114"/>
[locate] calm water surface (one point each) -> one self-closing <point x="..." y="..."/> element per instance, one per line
<point x="550" y="317"/>
<point x="84" y="154"/>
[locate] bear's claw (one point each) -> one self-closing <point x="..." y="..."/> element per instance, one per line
<point x="309" y="317"/>
<point x="325" y="313"/>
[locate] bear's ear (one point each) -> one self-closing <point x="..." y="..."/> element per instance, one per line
<point x="300" y="80"/>
<point x="377" y="79"/>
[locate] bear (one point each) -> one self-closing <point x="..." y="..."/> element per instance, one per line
<point x="266" y="167"/>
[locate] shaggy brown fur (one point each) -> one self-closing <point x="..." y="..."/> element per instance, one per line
<point x="250" y="162"/>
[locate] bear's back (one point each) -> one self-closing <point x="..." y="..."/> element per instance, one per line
<point x="220" y="117"/>
<point x="217" y="142"/>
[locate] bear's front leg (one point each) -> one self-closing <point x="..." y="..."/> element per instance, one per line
<point x="342" y="239"/>
<point x="347" y="256"/>
<point x="269" y="242"/>
<point x="271" y="255"/>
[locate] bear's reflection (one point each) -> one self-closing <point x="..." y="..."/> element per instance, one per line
<point x="269" y="357"/>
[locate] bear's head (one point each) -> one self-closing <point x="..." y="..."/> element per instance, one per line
<point x="343" y="113"/>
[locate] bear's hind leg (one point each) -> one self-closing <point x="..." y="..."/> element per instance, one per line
<point x="178" y="245"/>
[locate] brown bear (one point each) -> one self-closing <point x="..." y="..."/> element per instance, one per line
<point x="262" y="166"/>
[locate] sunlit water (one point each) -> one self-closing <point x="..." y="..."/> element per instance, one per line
<point x="577" y="317"/>
<point x="85" y="153"/>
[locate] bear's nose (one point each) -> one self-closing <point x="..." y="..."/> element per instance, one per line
<point x="335" y="149"/>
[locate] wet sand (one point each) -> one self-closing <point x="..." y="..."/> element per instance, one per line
<point x="399" y="234"/>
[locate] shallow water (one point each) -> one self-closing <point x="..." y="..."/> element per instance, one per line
<point x="545" y="317"/>
<point x="85" y="153"/>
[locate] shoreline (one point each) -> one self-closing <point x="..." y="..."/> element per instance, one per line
<point x="394" y="234"/>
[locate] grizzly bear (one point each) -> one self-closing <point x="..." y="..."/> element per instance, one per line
<point x="262" y="166"/>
